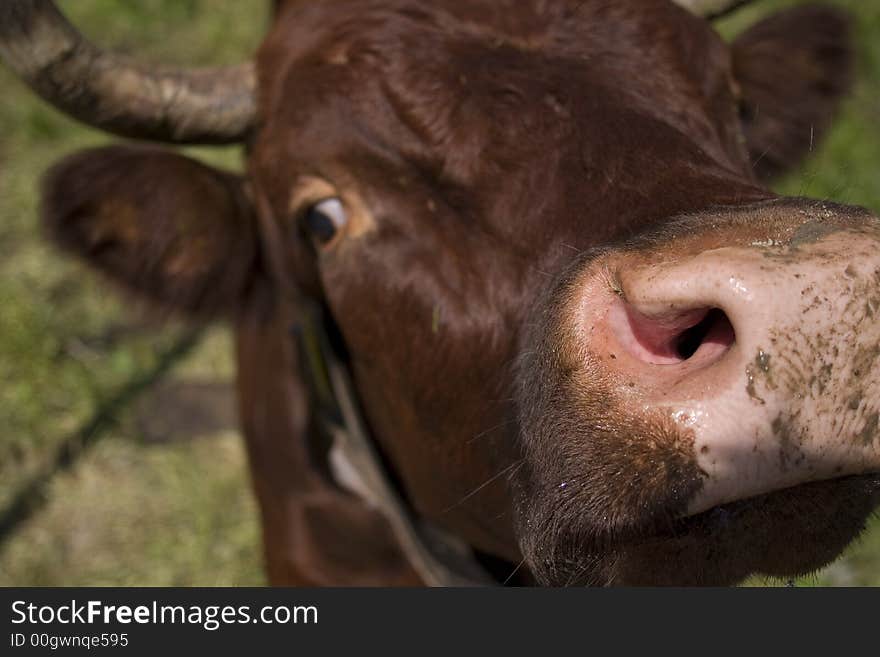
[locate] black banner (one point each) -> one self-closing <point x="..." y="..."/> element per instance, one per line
<point x="381" y="621"/>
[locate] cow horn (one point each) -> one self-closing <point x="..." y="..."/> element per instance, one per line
<point x="711" y="9"/>
<point x="110" y="92"/>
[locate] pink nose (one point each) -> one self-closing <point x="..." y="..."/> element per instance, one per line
<point x="767" y="352"/>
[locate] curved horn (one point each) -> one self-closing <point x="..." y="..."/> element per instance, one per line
<point x="711" y="9"/>
<point x="204" y="106"/>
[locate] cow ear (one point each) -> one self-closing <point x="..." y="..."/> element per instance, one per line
<point x="177" y="232"/>
<point x="792" y="69"/>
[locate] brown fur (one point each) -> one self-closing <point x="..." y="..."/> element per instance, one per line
<point x="314" y="534"/>
<point x="492" y="143"/>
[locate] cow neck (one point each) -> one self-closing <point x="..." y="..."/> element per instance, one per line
<point x="354" y="461"/>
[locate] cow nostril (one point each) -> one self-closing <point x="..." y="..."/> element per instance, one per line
<point x="696" y="333"/>
<point x="715" y="327"/>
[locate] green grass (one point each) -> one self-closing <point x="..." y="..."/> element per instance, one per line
<point x="137" y="510"/>
<point x="130" y="515"/>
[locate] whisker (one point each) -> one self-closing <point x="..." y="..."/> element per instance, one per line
<point x="464" y="499"/>
<point x="515" y="570"/>
<point x="490" y="430"/>
<point x="760" y="157"/>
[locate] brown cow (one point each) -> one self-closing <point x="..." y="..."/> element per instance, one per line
<point x="590" y="345"/>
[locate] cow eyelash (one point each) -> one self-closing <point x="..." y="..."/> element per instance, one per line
<point x="324" y="221"/>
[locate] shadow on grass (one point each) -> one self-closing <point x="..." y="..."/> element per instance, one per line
<point x="31" y="497"/>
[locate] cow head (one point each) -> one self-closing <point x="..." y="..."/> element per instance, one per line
<point x="583" y="332"/>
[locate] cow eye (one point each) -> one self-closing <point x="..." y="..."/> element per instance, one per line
<point x="324" y="220"/>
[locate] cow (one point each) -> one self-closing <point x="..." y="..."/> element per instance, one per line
<point x="512" y="300"/>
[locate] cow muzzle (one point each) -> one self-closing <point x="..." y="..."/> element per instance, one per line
<point x="756" y="336"/>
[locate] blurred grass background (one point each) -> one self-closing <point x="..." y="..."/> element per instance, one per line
<point x="162" y="497"/>
<point x="160" y="494"/>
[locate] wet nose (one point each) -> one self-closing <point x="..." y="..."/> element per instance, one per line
<point x="766" y="352"/>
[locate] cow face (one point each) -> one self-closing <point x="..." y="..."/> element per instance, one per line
<point x="469" y="166"/>
<point x="489" y="204"/>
